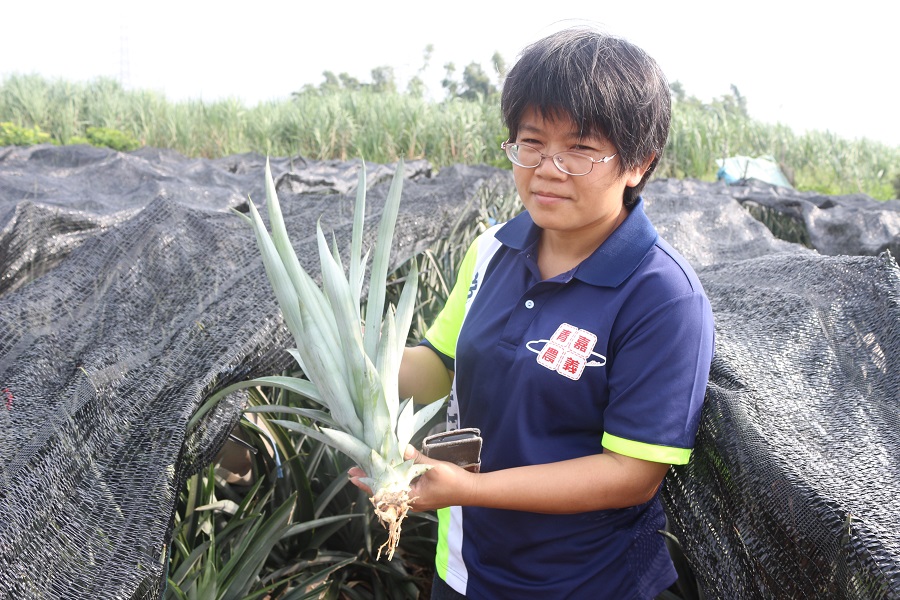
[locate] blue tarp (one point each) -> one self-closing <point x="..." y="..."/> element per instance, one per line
<point x="764" y="168"/>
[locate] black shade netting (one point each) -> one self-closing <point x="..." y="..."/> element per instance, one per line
<point x="792" y="488"/>
<point x="130" y="293"/>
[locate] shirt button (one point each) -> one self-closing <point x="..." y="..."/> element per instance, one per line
<point x="529" y="304"/>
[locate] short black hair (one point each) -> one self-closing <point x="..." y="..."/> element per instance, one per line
<point x="605" y="84"/>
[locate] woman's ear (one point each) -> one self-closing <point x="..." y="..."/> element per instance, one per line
<point x="634" y="176"/>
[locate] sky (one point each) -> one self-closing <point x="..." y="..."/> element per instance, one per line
<point x="808" y="65"/>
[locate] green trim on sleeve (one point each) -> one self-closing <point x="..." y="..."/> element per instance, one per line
<point x="444" y="332"/>
<point x="661" y="454"/>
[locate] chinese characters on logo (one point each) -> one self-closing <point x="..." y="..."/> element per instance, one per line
<point x="568" y="350"/>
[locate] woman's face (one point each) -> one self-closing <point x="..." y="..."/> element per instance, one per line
<point x="567" y="204"/>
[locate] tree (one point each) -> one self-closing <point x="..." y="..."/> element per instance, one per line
<point x="331" y="84"/>
<point x="734" y="103"/>
<point x="476" y="83"/>
<point x="416" y="86"/>
<point x="678" y="93"/>
<point x="500" y="67"/>
<point x="448" y="82"/>
<point x="383" y="79"/>
<point x="348" y="82"/>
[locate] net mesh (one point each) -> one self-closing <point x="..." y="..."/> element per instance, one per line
<point x="129" y="294"/>
<point x="791" y="492"/>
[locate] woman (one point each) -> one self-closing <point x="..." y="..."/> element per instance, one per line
<point x="575" y="339"/>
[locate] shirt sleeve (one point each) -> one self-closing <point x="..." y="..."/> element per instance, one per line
<point x="444" y="332"/>
<point x="658" y="381"/>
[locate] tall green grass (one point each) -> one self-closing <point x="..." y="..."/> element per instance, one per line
<point x="385" y="126"/>
<point x="817" y="161"/>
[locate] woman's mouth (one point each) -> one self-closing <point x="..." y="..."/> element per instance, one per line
<point x="542" y="197"/>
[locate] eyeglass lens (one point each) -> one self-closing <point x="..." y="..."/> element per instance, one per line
<point x="568" y="162"/>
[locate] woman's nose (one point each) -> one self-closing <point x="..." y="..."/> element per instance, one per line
<point x="550" y="168"/>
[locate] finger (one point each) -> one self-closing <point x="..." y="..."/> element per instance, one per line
<point x="412" y="454"/>
<point x="355" y="481"/>
<point x="417" y="457"/>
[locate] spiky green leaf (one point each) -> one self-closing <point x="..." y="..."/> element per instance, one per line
<point x="357" y="262"/>
<point x="340" y="298"/>
<point x="326" y="370"/>
<point x="389" y="366"/>
<point x="278" y="276"/>
<point x="353" y="447"/>
<point x="406" y="306"/>
<point x="320" y="416"/>
<point x="381" y="260"/>
<point x="305" y="287"/>
<point x="424" y="415"/>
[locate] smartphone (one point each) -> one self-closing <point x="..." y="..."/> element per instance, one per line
<point x="459" y="446"/>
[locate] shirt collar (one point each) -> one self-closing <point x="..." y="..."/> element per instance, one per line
<point x="612" y="262"/>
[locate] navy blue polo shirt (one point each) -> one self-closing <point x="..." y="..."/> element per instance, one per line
<point x="612" y="354"/>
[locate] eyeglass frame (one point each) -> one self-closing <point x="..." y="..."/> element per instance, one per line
<point x="507" y="144"/>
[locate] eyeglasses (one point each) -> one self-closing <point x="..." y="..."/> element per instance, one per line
<point x="571" y="163"/>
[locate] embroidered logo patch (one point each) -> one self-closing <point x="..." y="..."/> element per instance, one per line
<point x="568" y="351"/>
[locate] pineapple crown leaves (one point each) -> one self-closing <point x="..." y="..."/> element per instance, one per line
<point x="307" y="331"/>
<point x="366" y="385"/>
<point x="381" y="260"/>
<point x="355" y="374"/>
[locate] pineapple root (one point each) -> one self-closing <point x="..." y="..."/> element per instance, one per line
<point x="391" y="507"/>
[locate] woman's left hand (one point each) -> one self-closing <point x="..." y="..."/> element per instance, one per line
<point x="444" y="484"/>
